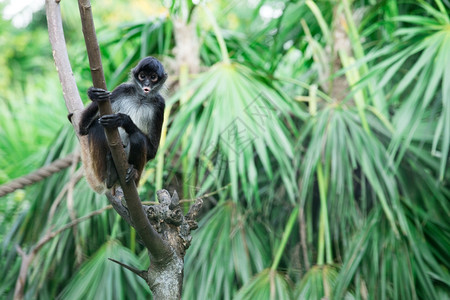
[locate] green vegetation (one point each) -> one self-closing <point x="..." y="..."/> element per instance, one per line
<point x="319" y="129"/>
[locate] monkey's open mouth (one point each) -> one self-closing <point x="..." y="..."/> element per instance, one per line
<point x="146" y="90"/>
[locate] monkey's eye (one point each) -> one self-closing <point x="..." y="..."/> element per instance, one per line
<point x="154" y="77"/>
<point x="141" y="76"/>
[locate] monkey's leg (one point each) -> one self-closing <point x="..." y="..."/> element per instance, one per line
<point x="137" y="156"/>
<point x="111" y="172"/>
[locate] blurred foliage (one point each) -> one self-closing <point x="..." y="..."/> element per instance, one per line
<point x="337" y="110"/>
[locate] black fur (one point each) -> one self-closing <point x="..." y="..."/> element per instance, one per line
<point x="150" y="64"/>
<point x="138" y="109"/>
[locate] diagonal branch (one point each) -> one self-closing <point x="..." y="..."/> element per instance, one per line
<point x="152" y="241"/>
<point x="162" y="228"/>
<point x="58" y="42"/>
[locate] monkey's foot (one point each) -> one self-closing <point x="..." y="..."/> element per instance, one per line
<point x="131" y="174"/>
<point x="97" y="94"/>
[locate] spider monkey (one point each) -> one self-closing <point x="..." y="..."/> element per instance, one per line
<point x="138" y="111"/>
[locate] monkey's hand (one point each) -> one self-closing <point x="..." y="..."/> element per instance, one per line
<point x="97" y="94"/>
<point x="114" y="120"/>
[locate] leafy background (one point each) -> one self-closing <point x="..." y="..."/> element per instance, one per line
<point x="319" y="132"/>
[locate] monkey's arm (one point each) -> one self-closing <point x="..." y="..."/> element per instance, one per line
<point x="138" y="143"/>
<point x="120" y="120"/>
<point x="90" y="112"/>
<point x="155" y="130"/>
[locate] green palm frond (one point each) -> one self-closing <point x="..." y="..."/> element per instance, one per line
<point x="416" y="77"/>
<point x="235" y="115"/>
<point x="131" y="42"/>
<point x="228" y="250"/>
<point x="339" y="141"/>
<point x="318" y="283"/>
<point x="99" y="272"/>
<point x="391" y="267"/>
<point x="23" y="133"/>
<point x="268" y="284"/>
<point x="42" y="213"/>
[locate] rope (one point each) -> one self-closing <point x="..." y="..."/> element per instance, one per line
<point x="40" y="174"/>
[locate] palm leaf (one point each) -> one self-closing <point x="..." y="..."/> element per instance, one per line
<point x="318" y="283"/>
<point x="98" y="272"/>
<point x="233" y="113"/>
<point x="427" y="38"/>
<point x="268" y="284"/>
<point x="228" y="250"/>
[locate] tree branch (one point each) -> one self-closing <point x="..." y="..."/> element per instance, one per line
<point x="152" y="241"/>
<point x="140" y="273"/>
<point x="165" y="277"/>
<point x="167" y="246"/>
<point x="58" y="42"/>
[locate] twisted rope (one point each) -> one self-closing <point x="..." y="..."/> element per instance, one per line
<point x="40" y="174"/>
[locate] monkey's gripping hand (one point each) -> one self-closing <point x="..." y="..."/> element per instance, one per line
<point x="89" y="115"/>
<point x="98" y="94"/>
<point x="115" y="120"/>
<point x="124" y="121"/>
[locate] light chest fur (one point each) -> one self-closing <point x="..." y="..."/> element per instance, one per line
<point x="140" y="110"/>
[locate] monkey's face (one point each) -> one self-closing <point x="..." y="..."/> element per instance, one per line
<point x="149" y="75"/>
